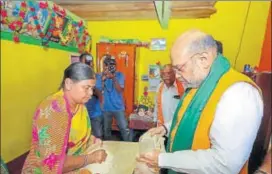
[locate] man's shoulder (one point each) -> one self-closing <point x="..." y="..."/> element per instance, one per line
<point x="98" y="76"/>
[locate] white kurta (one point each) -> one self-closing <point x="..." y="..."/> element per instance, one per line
<point x="233" y="132"/>
<point x="169" y="103"/>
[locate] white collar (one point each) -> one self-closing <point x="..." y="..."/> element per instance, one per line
<point x="174" y="85"/>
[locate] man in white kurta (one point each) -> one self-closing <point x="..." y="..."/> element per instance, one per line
<point x="236" y="121"/>
<point x="168" y="89"/>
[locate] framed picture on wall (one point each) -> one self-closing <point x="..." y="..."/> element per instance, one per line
<point x="74" y="58"/>
<point x="158" y="44"/>
<point x="154" y="78"/>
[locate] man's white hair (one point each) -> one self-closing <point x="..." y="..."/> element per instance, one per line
<point x="202" y="44"/>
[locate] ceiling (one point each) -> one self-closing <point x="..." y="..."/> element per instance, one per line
<point x="136" y="10"/>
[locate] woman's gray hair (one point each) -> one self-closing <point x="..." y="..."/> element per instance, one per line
<point x="77" y="72"/>
<point x="202" y="44"/>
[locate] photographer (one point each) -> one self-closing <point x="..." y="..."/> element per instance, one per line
<point x="93" y="105"/>
<point x="113" y="104"/>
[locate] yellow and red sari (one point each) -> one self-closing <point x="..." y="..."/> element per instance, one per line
<point x="56" y="132"/>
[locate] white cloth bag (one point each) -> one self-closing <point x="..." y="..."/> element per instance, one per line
<point x="148" y="144"/>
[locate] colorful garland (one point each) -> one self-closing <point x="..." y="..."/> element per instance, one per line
<point x="42" y="5"/>
<point x="15" y="25"/>
<point x="59" y="10"/>
<point x="69" y="35"/>
<point x="46" y="38"/>
<point x="81" y="45"/>
<point x="56" y="10"/>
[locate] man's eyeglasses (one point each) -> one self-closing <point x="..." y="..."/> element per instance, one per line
<point x="180" y="68"/>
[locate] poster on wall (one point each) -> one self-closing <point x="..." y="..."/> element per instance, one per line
<point x="59" y="23"/>
<point x="74" y="58"/>
<point x="154" y="78"/>
<point x="158" y="44"/>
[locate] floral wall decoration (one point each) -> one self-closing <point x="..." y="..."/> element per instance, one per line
<point x="43" y="23"/>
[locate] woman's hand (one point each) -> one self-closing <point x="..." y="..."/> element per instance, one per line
<point x="96" y="141"/>
<point x="97" y="156"/>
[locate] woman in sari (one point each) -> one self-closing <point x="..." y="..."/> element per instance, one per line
<point x="61" y="131"/>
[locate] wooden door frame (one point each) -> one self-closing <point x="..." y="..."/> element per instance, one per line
<point x="134" y="68"/>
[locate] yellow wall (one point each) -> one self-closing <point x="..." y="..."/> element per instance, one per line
<point x="28" y="74"/>
<point x="226" y="25"/>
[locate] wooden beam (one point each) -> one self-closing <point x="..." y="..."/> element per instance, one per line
<point x="163" y="9"/>
<point x="138" y="10"/>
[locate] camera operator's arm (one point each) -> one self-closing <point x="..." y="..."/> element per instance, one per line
<point x="98" y="93"/>
<point x="119" y="82"/>
<point x="98" y="87"/>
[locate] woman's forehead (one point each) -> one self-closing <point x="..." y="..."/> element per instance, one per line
<point x="87" y="82"/>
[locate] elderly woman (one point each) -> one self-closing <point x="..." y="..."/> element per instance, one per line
<point x="61" y="131"/>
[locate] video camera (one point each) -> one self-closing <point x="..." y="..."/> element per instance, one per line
<point x="110" y="63"/>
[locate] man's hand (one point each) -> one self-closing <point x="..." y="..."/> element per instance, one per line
<point x="150" y="158"/>
<point x="104" y="77"/>
<point x="160" y="131"/>
<point x="110" y="75"/>
<point x="101" y="104"/>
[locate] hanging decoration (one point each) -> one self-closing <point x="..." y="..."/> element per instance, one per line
<point x="42" y="5"/>
<point x="159" y="65"/>
<point x="14" y="24"/>
<point x="43" y="23"/>
<point x="65" y="39"/>
<point x="136" y="42"/>
<point x="46" y="38"/>
<point x="124" y="55"/>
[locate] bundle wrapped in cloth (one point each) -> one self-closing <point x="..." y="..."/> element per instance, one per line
<point x="104" y="167"/>
<point x="147" y="144"/>
<point x="120" y="158"/>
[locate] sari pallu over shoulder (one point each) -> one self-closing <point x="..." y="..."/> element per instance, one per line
<point x="50" y="135"/>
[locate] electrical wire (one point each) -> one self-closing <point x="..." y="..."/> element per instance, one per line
<point x="243" y="33"/>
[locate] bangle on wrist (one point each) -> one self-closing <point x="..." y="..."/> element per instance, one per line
<point x="85" y="161"/>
